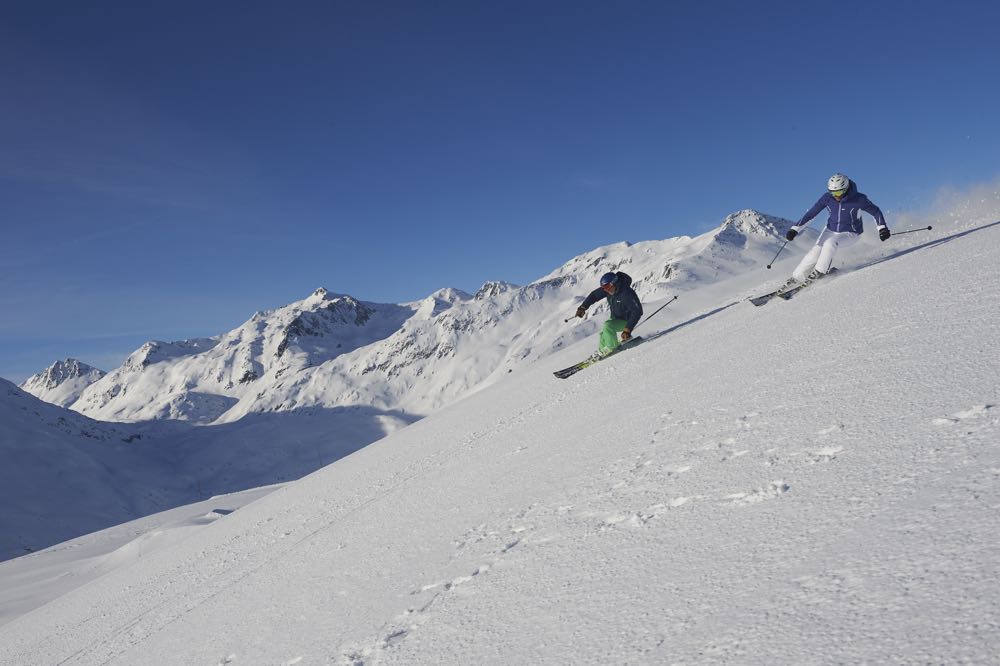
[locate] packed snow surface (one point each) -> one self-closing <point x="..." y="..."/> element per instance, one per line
<point x="812" y="481"/>
<point x="32" y="581"/>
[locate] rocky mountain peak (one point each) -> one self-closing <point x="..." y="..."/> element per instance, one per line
<point x="749" y="221"/>
<point x="61" y="371"/>
<point x="62" y="382"/>
<point x="493" y="288"/>
<point x="744" y="224"/>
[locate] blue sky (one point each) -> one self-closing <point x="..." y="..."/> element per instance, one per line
<point x="169" y="168"/>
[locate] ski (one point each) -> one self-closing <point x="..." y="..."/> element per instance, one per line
<point x="577" y="367"/>
<point x="791" y="292"/>
<point x="785" y="291"/>
<point x="794" y="290"/>
<point x="761" y="300"/>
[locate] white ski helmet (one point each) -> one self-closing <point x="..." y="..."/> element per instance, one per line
<point x="838" y="181"/>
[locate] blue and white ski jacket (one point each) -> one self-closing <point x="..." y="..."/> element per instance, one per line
<point x="845" y="215"/>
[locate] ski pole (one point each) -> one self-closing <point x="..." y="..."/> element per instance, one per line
<point x="900" y="233"/>
<point x="778" y="252"/>
<point x="657" y="310"/>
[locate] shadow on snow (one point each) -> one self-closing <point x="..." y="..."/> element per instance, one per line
<point x="929" y="244"/>
<point x="706" y="315"/>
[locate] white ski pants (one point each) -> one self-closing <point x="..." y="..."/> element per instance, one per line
<point x="821" y="255"/>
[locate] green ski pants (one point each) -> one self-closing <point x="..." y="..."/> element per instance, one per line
<point x="609" y="335"/>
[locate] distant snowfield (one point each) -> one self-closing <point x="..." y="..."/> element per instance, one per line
<point x="811" y="481"/>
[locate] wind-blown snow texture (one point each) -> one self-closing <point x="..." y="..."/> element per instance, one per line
<point x="813" y="481"/>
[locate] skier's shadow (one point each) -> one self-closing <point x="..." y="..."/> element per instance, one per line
<point x="931" y="243"/>
<point x="706" y="315"/>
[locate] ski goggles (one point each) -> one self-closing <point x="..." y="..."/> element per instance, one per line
<point x="838" y="193"/>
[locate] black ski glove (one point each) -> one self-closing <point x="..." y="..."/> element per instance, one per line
<point x="580" y="312"/>
<point x="792" y="233"/>
<point x="883" y="234"/>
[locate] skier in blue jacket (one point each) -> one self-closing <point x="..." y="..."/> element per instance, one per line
<point x="843" y="227"/>
<point x="623" y="305"/>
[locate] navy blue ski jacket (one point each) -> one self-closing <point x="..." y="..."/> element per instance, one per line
<point x="624" y="303"/>
<point x="845" y="215"/>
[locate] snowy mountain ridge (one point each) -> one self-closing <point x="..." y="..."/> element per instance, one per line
<point x="201" y="380"/>
<point x="63" y="382"/>
<point x="333" y="350"/>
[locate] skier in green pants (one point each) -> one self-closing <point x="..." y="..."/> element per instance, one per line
<point x="624" y="306"/>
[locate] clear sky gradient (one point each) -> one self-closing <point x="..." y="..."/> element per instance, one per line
<point x="168" y="168"/>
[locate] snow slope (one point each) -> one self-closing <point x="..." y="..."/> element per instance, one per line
<point x="64" y="474"/>
<point x="814" y="481"/>
<point x="34" y="580"/>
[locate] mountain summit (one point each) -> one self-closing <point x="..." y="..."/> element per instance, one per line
<point x="739" y="227"/>
<point x="201" y="380"/>
<point x="62" y="382"/>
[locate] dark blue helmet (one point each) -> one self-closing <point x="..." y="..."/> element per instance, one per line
<point x="609" y="278"/>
